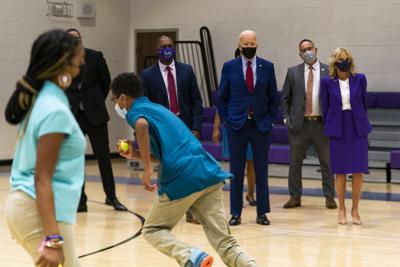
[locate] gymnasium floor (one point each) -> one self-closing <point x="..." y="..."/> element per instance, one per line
<point x="306" y="236"/>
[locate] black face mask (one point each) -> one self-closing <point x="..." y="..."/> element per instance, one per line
<point x="343" y="65"/>
<point x="249" y="52"/>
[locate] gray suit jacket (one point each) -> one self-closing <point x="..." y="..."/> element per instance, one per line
<point x="294" y="95"/>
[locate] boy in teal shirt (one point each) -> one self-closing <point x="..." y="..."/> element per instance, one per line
<point x="189" y="178"/>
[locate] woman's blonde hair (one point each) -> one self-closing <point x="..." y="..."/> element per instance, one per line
<point x="335" y="56"/>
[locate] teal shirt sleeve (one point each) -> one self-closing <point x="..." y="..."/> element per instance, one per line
<point x="55" y="122"/>
<point x="132" y="117"/>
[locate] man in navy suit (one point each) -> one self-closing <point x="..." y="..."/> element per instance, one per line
<point x="173" y="85"/>
<point x="248" y="104"/>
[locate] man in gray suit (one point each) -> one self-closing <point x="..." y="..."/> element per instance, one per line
<point x="302" y="116"/>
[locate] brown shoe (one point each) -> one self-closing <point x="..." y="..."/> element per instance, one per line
<point x="292" y="203"/>
<point x="330" y="203"/>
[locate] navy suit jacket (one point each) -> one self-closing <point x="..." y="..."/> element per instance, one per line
<point x="331" y="100"/>
<point x="233" y="99"/>
<point x="189" y="98"/>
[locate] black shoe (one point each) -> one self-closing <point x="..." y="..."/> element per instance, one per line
<point x="116" y="204"/>
<point x="82" y="208"/>
<point x="263" y="220"/>
<point x="235" y="220"/>
<point x="252" y="201"/>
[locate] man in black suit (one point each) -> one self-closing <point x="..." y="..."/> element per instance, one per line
<point x="87" y="97"/>
<point x="173" y="85"/>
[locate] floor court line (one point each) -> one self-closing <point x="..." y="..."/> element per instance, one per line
<point x="137" y="234"/>
<point x="336" y="235"/>
<point x="280" y="190"/>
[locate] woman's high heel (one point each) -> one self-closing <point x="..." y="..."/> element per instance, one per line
<point x="252" y="202"/>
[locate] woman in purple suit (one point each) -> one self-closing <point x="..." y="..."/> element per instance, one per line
<point x="343" y="97"/>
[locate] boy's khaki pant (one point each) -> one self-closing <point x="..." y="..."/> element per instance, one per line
<point x="207" y="206"/>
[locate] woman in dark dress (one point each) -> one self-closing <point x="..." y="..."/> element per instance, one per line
<point x="343" y="97"/>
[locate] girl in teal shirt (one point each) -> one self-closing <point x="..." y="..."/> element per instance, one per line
<point x="47" y="170"/>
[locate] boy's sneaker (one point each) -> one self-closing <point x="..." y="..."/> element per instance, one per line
<point x="199" y="259"/>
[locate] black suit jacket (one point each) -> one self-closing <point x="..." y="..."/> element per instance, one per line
<point x="189" y="98"/>
<point x="91" y="88"/>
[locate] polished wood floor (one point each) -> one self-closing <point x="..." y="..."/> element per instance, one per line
<point x="306" y="236"/>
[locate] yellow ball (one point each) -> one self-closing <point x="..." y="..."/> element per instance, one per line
<point x="124" y="146"/>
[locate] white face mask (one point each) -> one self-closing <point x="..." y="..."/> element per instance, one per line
<point x="121" y="111"/>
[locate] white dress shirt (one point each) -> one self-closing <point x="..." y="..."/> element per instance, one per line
<point x="345" y="92"/>
<point x="253" y="66"/>
<point x="316" y="107"/>
<point x="164" y="72"/>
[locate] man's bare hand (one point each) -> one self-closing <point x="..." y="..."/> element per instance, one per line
<point x="128" y="152"/>
<point x="147" y="174"/>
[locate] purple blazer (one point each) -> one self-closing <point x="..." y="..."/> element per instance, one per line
<point x="331" y="100"/>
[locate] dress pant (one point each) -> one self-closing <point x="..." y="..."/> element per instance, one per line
<point x="260" y="142"/>
<point x="98" y="137"/>
<point x="311" y="131"/>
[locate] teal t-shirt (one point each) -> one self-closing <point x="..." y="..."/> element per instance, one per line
<point x="185" y="166"/>
<point x="51" y="114"/>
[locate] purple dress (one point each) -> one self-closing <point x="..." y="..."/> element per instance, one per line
<point x="349" y="153"/>
<point x="347" y="129"/>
